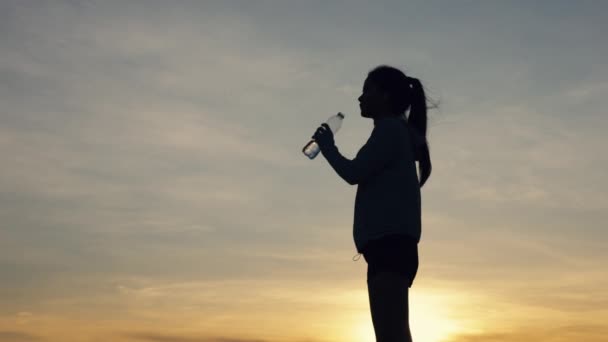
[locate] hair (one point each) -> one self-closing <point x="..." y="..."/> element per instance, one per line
<point x="407" y="93"/>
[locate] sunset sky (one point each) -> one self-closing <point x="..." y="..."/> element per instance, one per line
<point x="153" y="187"/>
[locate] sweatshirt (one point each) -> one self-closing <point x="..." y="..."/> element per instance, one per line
<point x="388" y="190"/>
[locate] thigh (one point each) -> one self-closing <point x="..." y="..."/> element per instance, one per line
<point x="393" y="253"/>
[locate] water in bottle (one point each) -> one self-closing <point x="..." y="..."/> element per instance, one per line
<point x="312" y="148"/>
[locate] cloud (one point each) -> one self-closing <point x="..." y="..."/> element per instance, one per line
<point x="24" y="317"/>
<point x="149" y="336"/>
<point x="17" y="336"/>
<point x="227" y="295"/>
<point x="563" y="333"/>
<point x="155" y="337"/>
<point x="521" y="157"/>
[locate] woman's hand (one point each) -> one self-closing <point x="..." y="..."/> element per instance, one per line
<point x="324" y="136"/>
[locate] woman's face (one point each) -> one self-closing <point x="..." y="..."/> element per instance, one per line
<point x="373" y="102"/>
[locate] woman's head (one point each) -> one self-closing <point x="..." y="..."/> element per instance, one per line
<point x="387" y="91"/>
<point x="374" y="101"/>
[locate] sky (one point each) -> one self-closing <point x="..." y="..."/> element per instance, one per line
<point x="153" y="186"/>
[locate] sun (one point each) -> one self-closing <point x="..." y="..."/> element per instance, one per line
<point x="428" y="322"/>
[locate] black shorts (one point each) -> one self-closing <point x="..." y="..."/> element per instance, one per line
<point x="394" y="253"/>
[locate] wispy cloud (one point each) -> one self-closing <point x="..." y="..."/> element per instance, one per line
<point x="574" y="332"/>
<point x="150" y="336"/>
<point x="17" y="336"/>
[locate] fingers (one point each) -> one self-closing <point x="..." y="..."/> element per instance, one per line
<point x="318" y="132"/>
<point x="324" y="128"/>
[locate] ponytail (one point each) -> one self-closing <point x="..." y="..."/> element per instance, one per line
<point x="407" y="92"/>
<point x="417" y="121"/>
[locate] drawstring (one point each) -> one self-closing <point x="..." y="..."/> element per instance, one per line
<point x="359" y="256"/>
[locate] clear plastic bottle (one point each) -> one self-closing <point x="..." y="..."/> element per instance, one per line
<point x="312" y="148"/>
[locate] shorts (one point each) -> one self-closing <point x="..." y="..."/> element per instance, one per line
<point x="393" y="253"/>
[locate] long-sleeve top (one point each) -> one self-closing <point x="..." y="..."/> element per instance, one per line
<point x="388" y="193"/>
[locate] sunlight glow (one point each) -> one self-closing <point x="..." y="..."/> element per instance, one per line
<point x="429" y="321"/>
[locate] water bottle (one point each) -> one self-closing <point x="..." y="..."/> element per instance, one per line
<point x="312" y="148"/>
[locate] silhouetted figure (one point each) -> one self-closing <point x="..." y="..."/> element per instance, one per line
<point x="387" y="218"/>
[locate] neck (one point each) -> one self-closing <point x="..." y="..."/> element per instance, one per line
<point x="381" y="116"/>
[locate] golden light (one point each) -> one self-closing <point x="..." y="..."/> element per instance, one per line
<point x="429" y="321"/>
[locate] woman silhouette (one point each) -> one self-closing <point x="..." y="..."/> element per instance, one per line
<point x="387" y="218"/>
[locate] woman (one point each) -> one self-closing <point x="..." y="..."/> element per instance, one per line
<point x="387" y="219"/>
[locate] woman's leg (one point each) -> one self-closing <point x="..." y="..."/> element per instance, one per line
<point x="388" y="301"/>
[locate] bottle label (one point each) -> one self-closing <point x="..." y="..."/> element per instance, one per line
<point x="311" y="149"/>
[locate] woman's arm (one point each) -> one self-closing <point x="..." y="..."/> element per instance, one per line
<point x="372" y="157"/>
